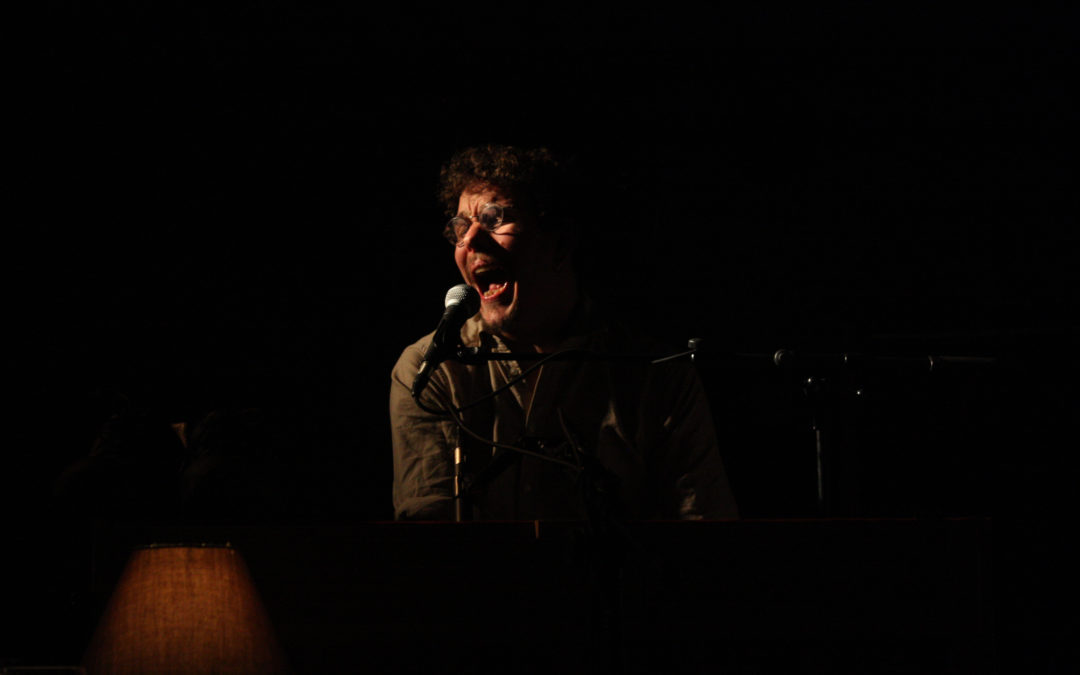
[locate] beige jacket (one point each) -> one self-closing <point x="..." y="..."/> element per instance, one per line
<point x="649" y="426"/>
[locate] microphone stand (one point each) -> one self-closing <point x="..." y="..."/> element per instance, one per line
<point x="607" y="540"/>
<point x="463" y="484"/>
<point x="817" y="371"/>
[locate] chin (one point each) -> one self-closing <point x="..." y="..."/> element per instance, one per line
<point x="499" y="320"/>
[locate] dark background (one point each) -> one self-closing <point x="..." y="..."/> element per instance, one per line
<point x="224" y="208"/>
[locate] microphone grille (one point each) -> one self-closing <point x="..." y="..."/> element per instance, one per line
<point x="463" y="293"/>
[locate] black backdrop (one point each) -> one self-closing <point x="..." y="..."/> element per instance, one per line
<point x="221" y="208"/>
<point x="237" y="207"/>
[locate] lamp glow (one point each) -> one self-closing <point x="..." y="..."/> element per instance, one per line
<point x="184" y="609"/>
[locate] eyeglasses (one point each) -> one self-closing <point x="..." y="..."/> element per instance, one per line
<point x="490" y="216"/>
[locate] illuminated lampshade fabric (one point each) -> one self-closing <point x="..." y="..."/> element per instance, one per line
<point x="184" y="609"/>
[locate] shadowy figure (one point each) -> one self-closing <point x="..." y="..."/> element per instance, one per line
<point x="235" y="469"/>
<point x="226" y="465"/>
<point x="130" y="473"/>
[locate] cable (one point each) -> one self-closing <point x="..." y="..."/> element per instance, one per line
<point x="506" y="446"/>
<point x="664" y="359"/>
<point x="514" y="380"/>
<point x="454" y="413"/>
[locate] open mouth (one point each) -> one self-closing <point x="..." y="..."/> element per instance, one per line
<point x="491" y="281"/>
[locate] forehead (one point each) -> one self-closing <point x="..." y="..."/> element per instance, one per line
<point x="475" y="196"/>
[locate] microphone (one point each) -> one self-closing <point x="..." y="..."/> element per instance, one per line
<point x="461" y="302"/>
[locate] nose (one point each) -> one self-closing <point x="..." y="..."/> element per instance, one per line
<point x="475" y="228"/>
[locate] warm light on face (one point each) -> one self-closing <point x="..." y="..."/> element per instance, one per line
<point x="513" y="266"/>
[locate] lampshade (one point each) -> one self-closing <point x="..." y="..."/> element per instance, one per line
<point x="184" y="609"/>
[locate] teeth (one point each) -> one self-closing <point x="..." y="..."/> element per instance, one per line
<point x="494" y="289"/>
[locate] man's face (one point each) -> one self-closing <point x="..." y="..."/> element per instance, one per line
<point x="513" y="267"/>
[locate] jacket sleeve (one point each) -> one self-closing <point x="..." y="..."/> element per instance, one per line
<point x="422" y="443"/>
<point x="692" y="472"/>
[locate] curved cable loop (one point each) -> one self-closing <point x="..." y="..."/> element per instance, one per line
<point x="454" y="413"/>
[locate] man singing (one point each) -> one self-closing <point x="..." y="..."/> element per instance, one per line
<point x="638" y="437"/>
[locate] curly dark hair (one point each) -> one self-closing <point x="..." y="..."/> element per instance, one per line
<point x="537" y="178"/>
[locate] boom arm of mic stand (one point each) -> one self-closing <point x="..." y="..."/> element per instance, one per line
<point x="473" y="355"/>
